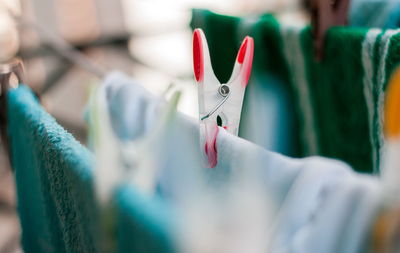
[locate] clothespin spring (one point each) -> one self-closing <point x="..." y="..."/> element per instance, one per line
<point x="224" y="91"/>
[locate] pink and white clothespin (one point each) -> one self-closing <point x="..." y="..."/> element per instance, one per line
<point x="219" y="104"/>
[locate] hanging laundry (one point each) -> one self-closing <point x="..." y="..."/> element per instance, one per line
<point x="308" y="195"/>
<point x="328" y="209"/>
<point x="333" y="120"/>
<point x="375" y="13"/>
<point x="138" y="174"/>
<point x="135" y="116"/>
<point x="316" y="199"/>
<point x="56" y="201"/>
<point x="53" y="174"/>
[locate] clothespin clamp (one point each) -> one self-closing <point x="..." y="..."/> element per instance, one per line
<point x="386" y="231"/>
<point x="11" y="74"/>
<point x="219" y="104"/>
<point x="324" y="15"/>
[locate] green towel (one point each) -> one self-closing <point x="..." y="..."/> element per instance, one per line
<point x="338" y="101"/>
<point x="53" y="179"/>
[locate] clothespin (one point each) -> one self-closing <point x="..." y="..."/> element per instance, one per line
<point x="11" y="75"/>
<point x="386" y="231"/>
<point x="324" y="15"/>
<point x="219" y="104"/>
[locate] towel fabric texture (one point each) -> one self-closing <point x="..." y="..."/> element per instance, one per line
<point x="338" y="102"/>
<point x="56" y="201"/>
<point x="53" y="179"/>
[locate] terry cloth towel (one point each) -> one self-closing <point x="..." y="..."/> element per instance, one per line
<point x="53" y="179"/>
<point x="375" y="13"/>
<point x="322" y="206"/>
<point x="338" y="101"/>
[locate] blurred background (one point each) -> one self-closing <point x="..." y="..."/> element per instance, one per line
<point x="147" y="39"/>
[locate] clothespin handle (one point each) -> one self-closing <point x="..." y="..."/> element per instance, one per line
<point x="324" y="15"/>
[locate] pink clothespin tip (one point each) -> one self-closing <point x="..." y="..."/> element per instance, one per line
<point x="219" y="104"/>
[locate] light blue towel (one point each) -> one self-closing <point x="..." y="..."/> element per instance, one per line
<point x="134" y="112"/>
<point x="375" y="13"/>
<point x="127" y="97"/>
<point x="323" y="206"/>
<point x="53" y="179"/>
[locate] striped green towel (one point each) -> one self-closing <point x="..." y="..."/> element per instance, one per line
<point x="338" y="101"/>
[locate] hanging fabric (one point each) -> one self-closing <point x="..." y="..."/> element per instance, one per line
<point x="338" y="101"/>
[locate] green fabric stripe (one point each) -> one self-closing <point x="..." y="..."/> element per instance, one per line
<point x="385" y="48"/>
<point x="339" y="106"/>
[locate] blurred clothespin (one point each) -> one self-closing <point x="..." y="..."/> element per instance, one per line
<point x="219" y="104"/>
<point x="386" y="232"/>
<point x="324" y="15"/>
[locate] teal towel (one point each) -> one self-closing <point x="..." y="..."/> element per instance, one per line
<point x="53" y="178"/>
<point x="149" y="217"/>
<point x="338" y="102"/>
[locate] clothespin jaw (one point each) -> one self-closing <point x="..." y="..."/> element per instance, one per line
<point x="324" y="15"/>
<point x="219" y="104"/>
<point x="8" y="72"/>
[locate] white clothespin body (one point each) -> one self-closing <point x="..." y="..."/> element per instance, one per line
<point x="219" y="104"/>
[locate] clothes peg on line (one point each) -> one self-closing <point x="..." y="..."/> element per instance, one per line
<point x="324" y="15"/>
<point x="219" y="104"/>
